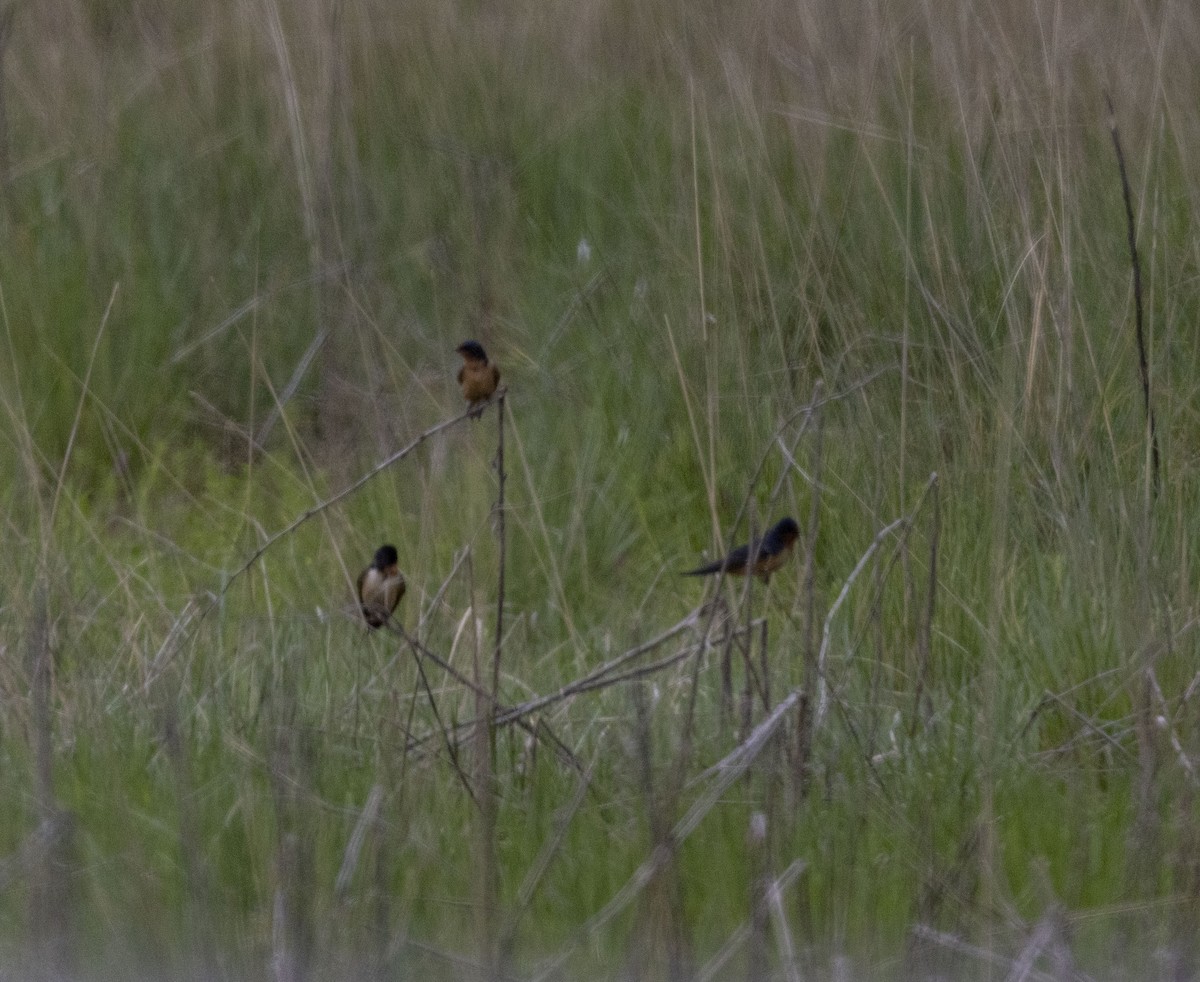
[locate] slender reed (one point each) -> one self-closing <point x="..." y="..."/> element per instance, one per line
<point x="487" y="879"/>
<point x="500" y="533"/>
<point x="925" y="628"/>
<point x="1139" y="315"/>
<point x="804" y="723"/>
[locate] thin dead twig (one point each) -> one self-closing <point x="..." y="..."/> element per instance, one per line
<point x="826" y="630"/>
<point x="904" y="522"/>
<point x="328" y="503"/>
<point x="598" y="676"/>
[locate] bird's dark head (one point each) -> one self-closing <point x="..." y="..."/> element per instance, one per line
<point x="786" y="529"/>
<point x="473" y="351"/>
<point x="385" y="557"/>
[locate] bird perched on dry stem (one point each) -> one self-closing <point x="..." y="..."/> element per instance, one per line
<point x="380" y="586"/>
<point x="759" y="556"/>
<point x="478" y="377"/>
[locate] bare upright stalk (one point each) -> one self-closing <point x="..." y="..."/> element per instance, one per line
<point x="485" y="829"/>
<point x="925" y="629"/>
<point x="500" y="532"/>
<point x="765" y="666"/>
<point x="747" y="646"/>
<point x="804" y="726"/>
<point x="876" y="615"/>
<point x="1139" y="316"/>
<point x="1145" y="832"/>
<point x="726" y="708"/>
<point x="489" y="948"/>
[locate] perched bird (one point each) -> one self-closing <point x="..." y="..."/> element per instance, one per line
<point x="760" y="556"/>
<point x="478" y="377"/>
<point x="380" y="586"/>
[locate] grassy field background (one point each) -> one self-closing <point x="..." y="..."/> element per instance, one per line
<point x="735" y="261"/>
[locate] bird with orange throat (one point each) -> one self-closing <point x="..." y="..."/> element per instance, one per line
<point x="761" y="556"/>
<point x="478" y="377"/>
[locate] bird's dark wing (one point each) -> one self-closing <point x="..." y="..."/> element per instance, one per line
<point x="735" y="562"/>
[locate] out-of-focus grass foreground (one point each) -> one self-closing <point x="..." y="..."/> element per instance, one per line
<point x="865" y="264"/>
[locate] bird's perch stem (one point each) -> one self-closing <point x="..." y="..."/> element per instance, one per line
<point x="495" y="688"/>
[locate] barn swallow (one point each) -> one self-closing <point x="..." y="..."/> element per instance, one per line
<point x="759" y="556"/>
<point x="380" y="586"/>
<point x="478" y="377"/>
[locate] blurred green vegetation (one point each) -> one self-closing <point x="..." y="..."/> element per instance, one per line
<point x="727" y="257"/>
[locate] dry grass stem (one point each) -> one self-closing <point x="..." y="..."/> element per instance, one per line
<point x="1138" y="313"/>
<point x="713" y="968"/>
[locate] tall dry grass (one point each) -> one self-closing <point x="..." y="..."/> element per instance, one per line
<point x="735" y="261"/>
